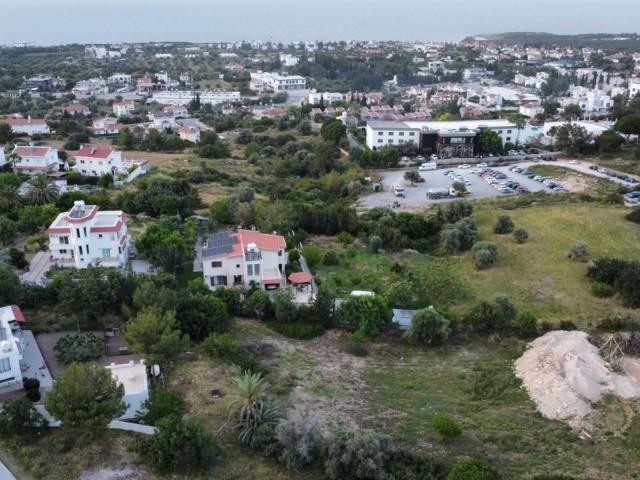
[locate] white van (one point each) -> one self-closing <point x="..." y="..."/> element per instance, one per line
<point x="362" y="293"/>
<point x="398" y="190"/>
<point x="428" y="166"/>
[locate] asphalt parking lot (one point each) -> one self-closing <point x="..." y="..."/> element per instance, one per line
<point x="416" y="195"/>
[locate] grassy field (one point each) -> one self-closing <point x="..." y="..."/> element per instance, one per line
<point x="557" y="173"/>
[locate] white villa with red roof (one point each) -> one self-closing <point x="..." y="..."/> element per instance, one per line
<point x="27" y="126"/>
<point x="237" y="259"/>
<point x="76" y="109"/>
<point x="107" y="126"/>
<point x="12" y="346"/>
<point x="31" y="160"/>
<point x="179" y="111"/>
<point x="123" y="109"/>
<point x="86" y="236"/>
<point x="95" y="162"/>
<point x="191" y="134"/>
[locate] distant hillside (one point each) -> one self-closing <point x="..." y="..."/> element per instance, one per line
<point x="629" y="42"/>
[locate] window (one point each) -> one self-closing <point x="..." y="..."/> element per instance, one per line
<point x="85" y="231"/>
<point x="256" y="269"/>
<point x="63" y="251"/>
<point x="106" y="253"/>
<point x="391" y="141"/>
<point x="80" y="249"/>
<point x="87" y="249"/>
<point x="119" y="250"/>
<point x="250" y="270"/>
<point x="100" y="235"/>
<point x="5" y="365"/>
<point x="508" y="131"/>
<point x="81" y="161"/>
<point x="401" y="134"/>
<point x="400" y="141"/>
<point x="78" y="232"/>
<point x="279" y="253"/>
<point x="508" y="139"/>
<point x="216" y="264"/>
<point x="380" y="140"/>
<point x="380" y="134"/>
<point x="411" y="134"/>
<point x="500" y="132"/>
<point x="390" y="134"/>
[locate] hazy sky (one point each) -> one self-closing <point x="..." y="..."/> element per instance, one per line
<point x="83" y="21"/>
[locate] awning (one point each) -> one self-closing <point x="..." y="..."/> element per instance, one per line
<point x="17" y="313"/>
<point x="300" y="278"/>
<point x="271" y="282"/>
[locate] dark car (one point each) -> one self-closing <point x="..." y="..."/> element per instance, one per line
<point x="593" y="167"/>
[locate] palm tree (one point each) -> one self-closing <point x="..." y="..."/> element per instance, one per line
<point x="252" y="408"/>
<point x="42" y="190"/>
<point x="9" y="196"/>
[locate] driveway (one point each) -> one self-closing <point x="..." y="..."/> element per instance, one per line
<point x="38" y="269"/>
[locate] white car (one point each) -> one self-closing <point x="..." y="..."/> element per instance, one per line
<point x="464" y="165"/>
<point x="574" y="162"/>
<point x="475" y="170"/>
<point x="482" y="165"/>
<point x="434" y="157"/>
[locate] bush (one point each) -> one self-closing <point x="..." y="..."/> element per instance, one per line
<point x="446" y="427"/>
<point x="17" y="258"/>
<point x="579" y="252"/>
<point x="32" y="389"/>
<point x="633" y="216"/>
<point x="473" y="469"/>
<point x="504" y="225"/>
<point x="19" y="417"/>
<point x="520" y="235"/>
<point x="331" y="257"/>
<point x="485" y="255"/>
<point x="162" y="404"/>
<point x="428" y="327"/>
<point x="375" y="243"/>
<point x="313" y="255"/>
<point x="568" y="325"/>
<point x="345" y="238"/>
<point x="357" y="455"/>
<point x="601" y="290"/>
<point x="356" y="345"/>
<point x="491" y="316"/>
<point x="294" y="255"/>
<point x="300" y="331"/>
<point x="526" y="325"/>
<point x="78" y="348"/>
<point x="265" y="441"/>
<point x="299" y="434"/>
<point x="404" y="465"/>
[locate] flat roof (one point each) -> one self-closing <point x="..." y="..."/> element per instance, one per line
<point x="441" y="126"/>
<point x="132" y="375"/>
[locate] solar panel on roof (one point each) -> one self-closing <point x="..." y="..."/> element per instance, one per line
<point x="219" y="243"/>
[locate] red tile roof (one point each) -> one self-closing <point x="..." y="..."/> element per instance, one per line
<point x="76" y="107"/>
<point x="91" y="152"/>
<point x="17" y="313"/>
<point x="300" y="278"/>
<point x="111" y="229"/>
<point x="264" y="241"/>
<point x="31" y="151"/>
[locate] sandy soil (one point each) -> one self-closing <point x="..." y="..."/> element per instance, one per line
<point x="565" y="374"/>
<point x="125" y="473"/>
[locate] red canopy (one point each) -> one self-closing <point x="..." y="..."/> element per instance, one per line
<point x="300" y="278"/>
<point x="17" y="313"/>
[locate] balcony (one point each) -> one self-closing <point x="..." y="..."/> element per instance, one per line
<point x="252" y="256"/>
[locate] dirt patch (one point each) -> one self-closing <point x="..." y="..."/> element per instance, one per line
<point x="565" y="374"/>
<point x="46" y="342"/>
<point x="125" y="473"/>
<point x="578" y="183"/>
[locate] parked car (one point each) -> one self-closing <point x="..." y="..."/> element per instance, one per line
<point x="446" y="173"/>
<point x="434" y="157"/>
<point x="464" y="165"/>
<point x="422" y="180"/>
<point x="574" y="162"/>
<point x="630" y="180"/>
<point x="419" y="157"/>
<point x="593" y="167"/>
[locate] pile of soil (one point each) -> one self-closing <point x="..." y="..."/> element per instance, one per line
<point x="564" y="374"/>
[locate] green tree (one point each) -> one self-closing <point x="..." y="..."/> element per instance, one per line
<point x="401" y="294"/>
<point x="503" y="225"/>
<point x="609" y="141"/>
<point x="285" y="309"/>
<point x="521" y="235"/>
<point x="370" y="314"/>
<point x="572" y="112"/>
<point x="10" y="291"/>
<point x="42" y="190"/>
<point x="252" y="408"/>
<point x="313" y="255"/>
<point x="629" y="125"/>
<point x="20" y="416"/>
<point x="156" y="334"/>
<point x="428" y="327"/>
<point x="8" y="231"/>
<point x="571" y="139"/>
<point x="258" y="305"/>
<point x="412" y="176"/>
<point x="106" y="181"/>
<point x="6" y="134"/>
<point x="375" y="243"/>
<point x="333" y="131"/>
<point x="86" y="396"/>
<point x="177" y="446"/>
<point x="446" y="427"/>
<point x="9" y="197"/>
<point x="490" y="141"/>
<point x="357" y="455"/>
<point x="201" y="315"/>
<point x="473" y="469"/>
<point x="161" y="404"/>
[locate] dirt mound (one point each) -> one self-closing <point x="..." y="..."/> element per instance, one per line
<point x="564" y="374"/>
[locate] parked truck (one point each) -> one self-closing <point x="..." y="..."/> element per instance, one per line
<point x="438" y="193"/>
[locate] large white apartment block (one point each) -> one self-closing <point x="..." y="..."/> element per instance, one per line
<point x="327" y="97"/>
<point x="86" y="236"/>
<point x="184" y="98"/>
<point x="446" y="139"/>
<point x="133" y="377"/>
<point x="237" y="259"/>
<point x="31" y="160"/>
<point x="121" y="78"/>
<point x="280" y="83"/>
<point x="289" y="60"/>
<point x="11" y="349"/>
<point x="634" y="88"/>
<point x="123" y="109"/>
<point x="95" y="162"/>
<point x="27" y="126"/>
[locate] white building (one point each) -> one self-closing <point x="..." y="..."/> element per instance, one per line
<point x="133" y="377"/>
<point x="288" y="60"/>
<point x="121" y="78"/>
<point x="28" y="126"/>
<point x="31" y="160"/>
<point x="163" y="120"/>
<point x="178" y="111"/>
<point x="76" y="109"/>
<point x="3" y="159"/>
<point x="435" y="66"/>
<point x="474" y="73"/>
<point x="191" y="134"/>
<point x="123" y="109"/>
<point x="184" y="98"/>
<point x="589" y="101"/>
<point x="634" y="88"/>
<point x="86" y="236"/>
<point x="237" y="259"/>
<point x="531" y="109"/>
<point x="280" y="83"/>
<point x="327" y="97"/>
<point x="93" y="86"/>
<point x="11" y="349"/>
<point x="107" y="126"/>
<point x="95" y="162"/>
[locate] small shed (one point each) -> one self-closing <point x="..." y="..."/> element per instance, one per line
<point x="403" y="318"/>
<point x="301" y="280"/>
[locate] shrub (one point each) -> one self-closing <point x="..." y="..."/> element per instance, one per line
<point x="294" y="255"/>
<point x="313" y="255"/>
<point x="490" y="381"/>
<point x="459" y="236"/>
<point x="503" y="225"/>
<point x="345" y="238"/>
<point x="633" y="216"/>
<point x="473" y="469"/>
<point x="429" y="327"/>
<point x="526" y="325"/>
<point x="579" y="252"/>
<point x="265" y="441"/>
<point x="375" y="243"/>
<point x="491" y="316"/>
<point x="601" y="290"/>
<point x="356" y="345"/>
<point x="520" y="235"/>
<point x="485" y="255"/>
<point x="357" y="455"/>
<point x="331" y="257"/>
<point x="78" y="348"/>
<point x="299" y="433"/>
<point x="17" y="258"/>
<point x="446" y="427"/>
<point x="457" y="210"/>
<point x="404" y="465"/>
<point x="162" y="404"/>
<point x="20" y="416"/>
<point x="568" y="325"/>
<point x="300" y="331"/>
<point x="32" y="389"/>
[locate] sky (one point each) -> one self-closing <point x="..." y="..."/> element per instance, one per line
<point x="52" y="22"/>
